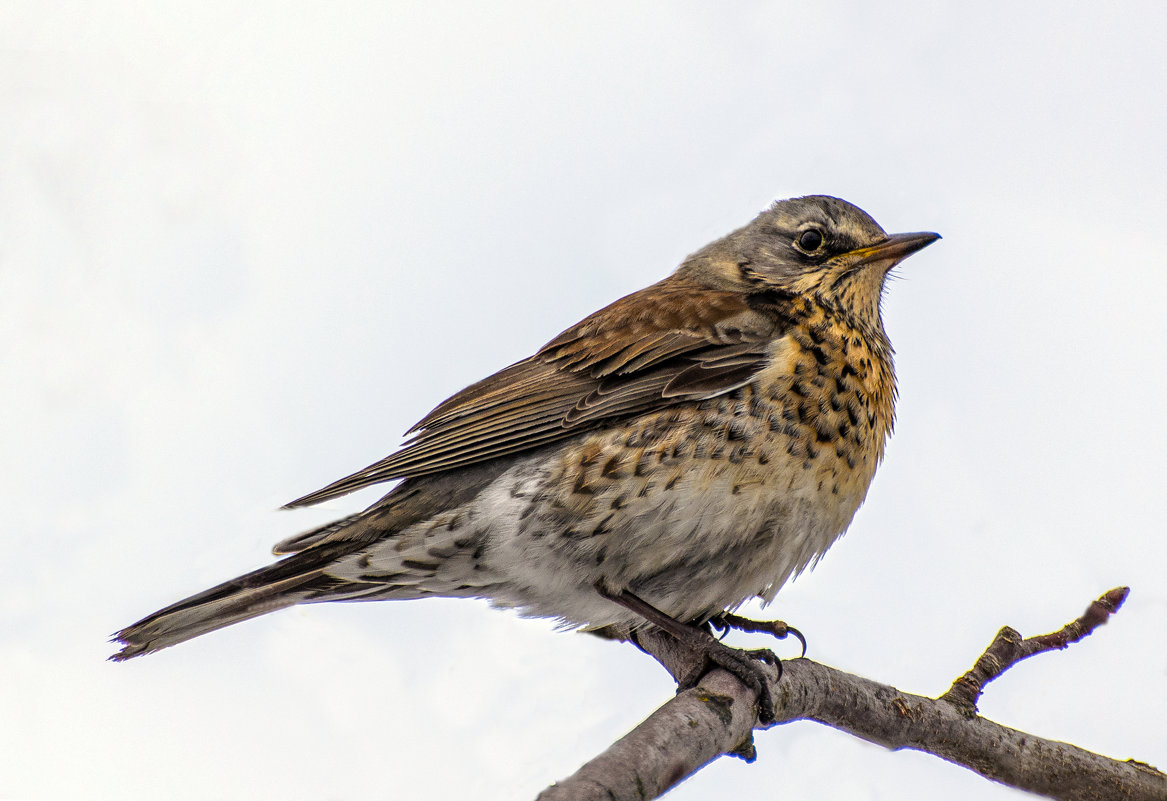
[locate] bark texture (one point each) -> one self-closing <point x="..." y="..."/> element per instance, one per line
<point x="718" y="717"/>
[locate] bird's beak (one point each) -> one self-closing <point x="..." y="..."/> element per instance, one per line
<point x="894" y="249"/>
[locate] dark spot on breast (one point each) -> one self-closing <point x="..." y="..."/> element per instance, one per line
<point x="602" y="527"/>
<point x="581" y="486"/>
<point x="805" y="412"/>
<point x="416" y="564"/>
<point x="853" y="414"/>
<point x="620" y="502"/>
<point x="782" y="427"/>
<point x="612" y="467"/>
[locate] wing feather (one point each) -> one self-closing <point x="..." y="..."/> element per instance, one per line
<point x="670" y="343"/>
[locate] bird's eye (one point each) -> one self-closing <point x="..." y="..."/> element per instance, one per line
<point x="810" y="240"/>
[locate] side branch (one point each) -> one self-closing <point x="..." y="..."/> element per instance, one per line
<point x="1007" y="649"/>
<point x="717" y="717"/>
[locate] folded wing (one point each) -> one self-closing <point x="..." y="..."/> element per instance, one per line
<point x="667" y="344"/>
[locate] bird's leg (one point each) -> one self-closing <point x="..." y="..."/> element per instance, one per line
<point x="746" y="665"/>
<point x="777" y="628"/>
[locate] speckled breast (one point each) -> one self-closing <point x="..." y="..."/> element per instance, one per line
<point x="703" y="505"/>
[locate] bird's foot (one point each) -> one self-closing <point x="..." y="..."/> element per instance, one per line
<point x="776" y="628"/>
<point x="746" y="665"/>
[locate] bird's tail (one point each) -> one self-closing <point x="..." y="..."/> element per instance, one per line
<point x="290" y="581"/>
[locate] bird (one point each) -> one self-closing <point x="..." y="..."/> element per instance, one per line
<point x="689" y="447"/>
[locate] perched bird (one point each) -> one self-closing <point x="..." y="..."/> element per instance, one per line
<point x="689" y="447"/>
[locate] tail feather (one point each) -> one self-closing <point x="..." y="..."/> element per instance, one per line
<point x="306" y="539"/>
<point x="276" y="586"/>
<point x="301" y="577"/>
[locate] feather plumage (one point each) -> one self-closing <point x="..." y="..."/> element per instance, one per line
<point x="669" y="343"/>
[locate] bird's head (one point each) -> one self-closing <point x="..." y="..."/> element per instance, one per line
<point x="815" y="246"/>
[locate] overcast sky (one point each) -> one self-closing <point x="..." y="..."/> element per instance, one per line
<point x="244" y="246"/>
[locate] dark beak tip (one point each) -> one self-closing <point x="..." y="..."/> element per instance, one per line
<point x="921" y="239"/>
<point x="897" y="247"/>
<point x="908" y="244"/>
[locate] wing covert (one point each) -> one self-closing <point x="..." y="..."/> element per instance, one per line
<point x="667" y="344"/>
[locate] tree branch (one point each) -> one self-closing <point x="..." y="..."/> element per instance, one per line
<point x="718" y="717"/>
<point x="1007" y="649"/>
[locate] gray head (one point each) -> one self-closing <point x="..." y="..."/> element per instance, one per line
<point x="818" y="246"/>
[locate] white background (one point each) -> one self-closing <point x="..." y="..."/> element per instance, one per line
<point x="243" y="247"/>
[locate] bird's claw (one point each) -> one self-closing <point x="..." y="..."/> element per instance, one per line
<point x="718" y="627"/>
<point x="775" y="628"/>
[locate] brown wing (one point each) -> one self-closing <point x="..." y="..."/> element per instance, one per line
<point x="669" y="343"/>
